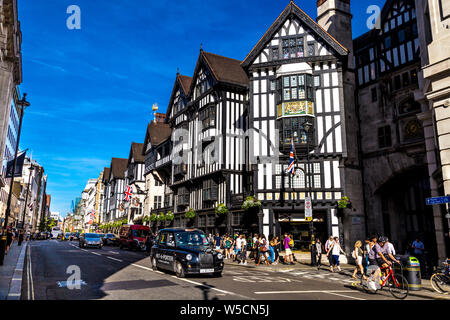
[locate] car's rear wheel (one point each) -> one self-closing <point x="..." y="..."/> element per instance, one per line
<point x="179" y="270"/>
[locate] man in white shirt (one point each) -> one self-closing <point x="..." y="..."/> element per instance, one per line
<point x="390" y="247"/>
<point x="243" y="244"/>
<point x="327" y="247"/>
<point x="238" y="246"/>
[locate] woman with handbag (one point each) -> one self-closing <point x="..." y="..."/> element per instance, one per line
<point x="263" y="250"/>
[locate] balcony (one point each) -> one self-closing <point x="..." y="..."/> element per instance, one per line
<point x="163" y="161"/>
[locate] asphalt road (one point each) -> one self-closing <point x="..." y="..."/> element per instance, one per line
<point x="113" y="274"/>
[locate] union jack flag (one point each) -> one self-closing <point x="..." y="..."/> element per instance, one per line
<point x="128" y="193"/>
<point x="291" y="168"/>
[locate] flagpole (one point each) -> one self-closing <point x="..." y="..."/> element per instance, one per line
<point x="23" y="103"/>
<point x="26" y="197"/>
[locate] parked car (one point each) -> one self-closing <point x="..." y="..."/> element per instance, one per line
<point x="90" y="240"/>
<point x="74" y="236"/>
<point x="185" y="251"/>
<point x="133" y="237"/>
<point x="111" y="239"/>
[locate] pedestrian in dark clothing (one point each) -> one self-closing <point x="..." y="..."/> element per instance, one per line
<point x="19" y="243"/>
<point x="9" y="239"/>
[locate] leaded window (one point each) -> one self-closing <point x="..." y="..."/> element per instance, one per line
<point x="208" y="117"/>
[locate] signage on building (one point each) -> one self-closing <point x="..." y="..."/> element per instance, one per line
<point x="308" y="209"/>
<point x="295" y="108"/>
<point x="438" y="200"/>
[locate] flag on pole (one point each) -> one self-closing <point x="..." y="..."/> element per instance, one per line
<point x="291" y="168"/>
<point x="128" y="193"/>
<point x="19" y="166"/>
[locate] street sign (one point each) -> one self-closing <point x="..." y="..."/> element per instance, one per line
<point x="308" y="209"/>
<point x="438" y="200"/>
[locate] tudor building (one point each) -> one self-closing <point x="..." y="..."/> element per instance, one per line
<point x="301" y="83"/>
<point x="208" y="119"/>
<point x="114" y="189"/>
<point x="134" y="177"/>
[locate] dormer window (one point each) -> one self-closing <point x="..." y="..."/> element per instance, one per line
<point x="293" y="48"/>
<point x="203" y="84"/>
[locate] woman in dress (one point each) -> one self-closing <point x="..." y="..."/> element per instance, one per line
<point x="358" y="256"/>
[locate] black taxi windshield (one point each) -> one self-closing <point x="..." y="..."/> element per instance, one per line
<point x="191" y="239"/>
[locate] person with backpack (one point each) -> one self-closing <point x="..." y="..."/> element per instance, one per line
<point x="291" y="246"/>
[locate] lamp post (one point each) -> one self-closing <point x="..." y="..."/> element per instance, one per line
<point x="26" y="197"/>
<point x="24" y="104"/>
<point x="307" y="126"/>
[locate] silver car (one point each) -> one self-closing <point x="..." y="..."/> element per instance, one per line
<point x="90" y="240"/>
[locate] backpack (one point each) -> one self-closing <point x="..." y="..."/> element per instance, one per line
<point x="291" y="243"/>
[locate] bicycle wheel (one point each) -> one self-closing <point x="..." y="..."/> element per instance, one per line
<point x="440" y="282"/>
<point x="398" y="288"/>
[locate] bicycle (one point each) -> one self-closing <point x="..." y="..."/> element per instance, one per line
<point x="397" y="283"/>
<point x="440" y="281"/>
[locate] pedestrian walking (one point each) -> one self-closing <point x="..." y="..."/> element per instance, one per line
<point x="328" y="244"/>
<point x="19" y="243"/>
<point x="263" y="249"/>
<point x="291" y="246"/>
<point x="335" y="251"/>
<point x="418" y="251"/>
<point x="367" y="247"/>
<point x="9" y="239"/>
<point x="277" y="250"/>
<point x="272" y="249"/>
<point x="228" y="244"/>
<point x="287" y="249"/>
<point x="237" y="248"/>
<point x="243" y="255"/>
<point x="357" y="254"/>
<point x="218" y="242"/>
<point x="318" y="253"/>
<point x="256" y="247"/>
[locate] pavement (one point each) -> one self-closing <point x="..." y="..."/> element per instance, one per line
<point x="11" y="272"/>
<point x="63" y="271"/>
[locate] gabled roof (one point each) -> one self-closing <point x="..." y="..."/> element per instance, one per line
<point x="180" y="81"/>
<point x="223" y="69"/>
<point x="118" y="167"/>
<point x="106" y="172"/>
<point x="293" y="9"/>
<point x="157" y="132"/>
<point x="136" y="153"/>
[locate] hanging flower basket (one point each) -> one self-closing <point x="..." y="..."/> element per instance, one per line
<point x="221" y="210"/>
<point x="190" y="214"/>
<point x="161" y="217"/>
<point x="170" y="216"/>
<point x="153" y="217"/>
<point x="251" y="203"/>
<point x="344" y="203"/>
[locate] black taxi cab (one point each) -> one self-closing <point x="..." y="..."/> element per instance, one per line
<point x="185" y="251"/>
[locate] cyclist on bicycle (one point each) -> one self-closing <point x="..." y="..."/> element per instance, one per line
<point x="378" y="255"/>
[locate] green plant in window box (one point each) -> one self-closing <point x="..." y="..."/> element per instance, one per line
<point x="153" y="217"/>
<point x="170" y="216"/>
<point x="190" y="214"/>
<point x="146" y="219"/>
<point x="221" y="209"/>
<point x="250" y="203"/>
<point x="161" y="217"/>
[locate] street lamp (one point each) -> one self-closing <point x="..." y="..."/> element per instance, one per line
<point x="308" y="126"/>
<point x="24" y="104"/>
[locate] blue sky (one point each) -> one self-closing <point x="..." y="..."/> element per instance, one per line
<point x="92" y="89"/>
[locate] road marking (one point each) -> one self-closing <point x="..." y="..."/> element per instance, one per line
<point x="115" y="259"/>
<point x="306" y="291"/>
<point x="343" y="295"/>
<point x="31" y="274"/>
<point x="97" y="254"/>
